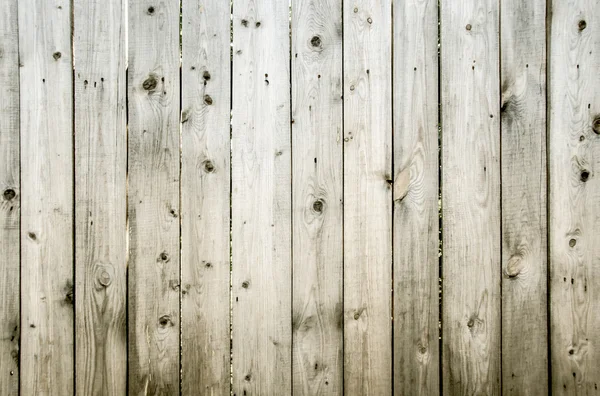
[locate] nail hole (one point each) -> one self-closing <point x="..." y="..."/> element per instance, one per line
<point x="208" y="100"/>
<point x="56" y="55"/>
<point x="468" y="27"/>
<point x="582" y="25"/>
<point x="150" y="10"/>
<point x="585" y="175"/>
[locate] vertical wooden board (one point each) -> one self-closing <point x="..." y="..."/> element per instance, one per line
<point x="470" y="197"/>
<point x="574" y="194"/>
<point x="261" y="199"/>
<point x="317" y="175"/>
<point x="100" y="197"/>
<point x="524" y="272"/>
<point x="10" y="199"/>
<point x="46" y="197"/>
<point x="153" y="196"/>
<point x="367" y="197"/>
<point x="205" y="199"/>
<point x="415" y="195"/>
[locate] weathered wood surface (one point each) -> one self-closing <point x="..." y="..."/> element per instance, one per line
<point x="261" y="199"/>
<point x="415" y="195"/>
<point x="470" y="197"/>
<point x="46" y="116"/>
<point x="367" y="197"/>
<point x="574" y="196"/>
<point x="317" y="175"/>
<point x="153" y="197"/>
<point x="524" y="227"/>
<point x="99" y="44"/>
<point x="205" y="200"/>
<point x="10" y="204"/>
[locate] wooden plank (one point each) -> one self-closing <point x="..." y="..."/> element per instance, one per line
<point x="574" y="196"/>
<point x="100" y="202"/>
<point x="317" y="174"/>
<point x="524" y="248"/>
<point x="415" y="195"/>
<point x="46" y="197"/>
<point x="367" y="197"/>
<point x="10" y="204"/>
<point x="153" y="196"/>
<point x="470" y="197"/>
<point x="205" y="199"/>
<point x="261" y="199"/>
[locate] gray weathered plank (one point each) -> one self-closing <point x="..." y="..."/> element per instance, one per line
<point x="261" y="199"/>
<point x="153" y="196"/>
<point x="574" y="196"/>
<point x="205" y="178"/>
<point x="415" y="194"/>
<point x="524" y="264"/>
<point x="46" y="115"/>
<point x="100" y="202"/>
<point x="367" y="197"/>
<point x="317" y="175"/>
<point x="470" y="196"/>
<point x="10" y="199"/>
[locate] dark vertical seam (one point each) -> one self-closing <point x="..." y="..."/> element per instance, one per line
<point x="231" y="199"/>
<point x="343" y="295"/>
<point x="499" y="104"/>
<point x="20" y="327"/>
<point x="291" y="241"/>
<point x="73" y="197"/>
<point x="391" y="184"/>
<point x="180" y="47"/>
<point x="439" y="204"/>
<point x="548" y="30"/>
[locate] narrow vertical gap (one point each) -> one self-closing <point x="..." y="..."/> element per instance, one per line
<point x="180" y="200"/>
<point x="125" y="22"/>
<point x="291" y="201"/>
<point x="73" y="198"/>
<point x="548" y="257"/>
<point x="392" y="176"/>
<point x="231" y="198"/>
<point x="343" y="384"/>
<point x="20" y="191"/>
<point x="499" y="105"/>
<point x="440" y="211"/>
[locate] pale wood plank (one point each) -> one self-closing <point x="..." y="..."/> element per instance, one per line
<point x="524" y="249"/>
<point x="205" y="200"/>
<point x="10" y="204"/>
<point x="317" y="175"/>
<point x="470" y="197"/>
<point x="415" y="194"/>
<point x="100" y="200"/>
<point x="261" y="199"/>
<point x="574" y="161"/>
<point x="153" y="197"/>
<point x="46" y="197"/>
<point x="367" y="197"/>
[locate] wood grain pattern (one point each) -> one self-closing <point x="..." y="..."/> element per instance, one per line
<point x="574" y="196"/>
<point x="99" y="44"/>
<point x="317" y="174"/>
<point x="153" y="197"/>
<point x="416" y="221"/>
<point x="10" y="201"/>
<point x="470" y="197"/>
<point x="524" y="249"/>
<point x="47" y="198"/>
<point x="205" y="200"/>
<point x="367" y="197"/>
<point x="261" y="199"/>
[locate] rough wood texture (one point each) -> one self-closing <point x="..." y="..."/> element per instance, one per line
<point x="100" y="201"/>
<point x="205" y="177"/>
<point x="415" y="194"/>
<point x="317" y="175"/>
<point x="471" y="197"/>
<point x="367" y="197"/>
<point x="524" y="264"/>
<point x="261" y="199"/>
<point x="153" y="196"/>
<point x="47" y="199"/>
<point x="10" y="199"/>
<point x="574" y="149"/>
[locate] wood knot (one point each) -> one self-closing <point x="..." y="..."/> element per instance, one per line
<point x="150" y="83"/>
<point x="585" y="175"/>
<point x="248" y="377"/>
<point x="208" y="100"/>
<point x="369" y="20"/>
<point x="206" y="75"/>
<point x="581" y="25"/>
<point x="209" y="167"/>
<point x="468" y="27"/>
<point x="151" y="10"/>
<point x="245" y="284"/>
<point x="9" y="194"/>
<point x="596" y="125"/>
<point x="356" y="315"/>
<point x="244" y="23"/>
<point x="32" y="235"/>
<point x="104" y="279"/>
<point x="165" y="321"/>
<point x="257" y="24"/>
<point x="470" y="323"/>
<point x="355" y="10"/>
<point x="315" y="41"/>
<point x="514" y="266"/>
<point x="572" y="242"/>
<point x="56" y="55"/>
<point x="318" y="206"/>
<point x="164" y="257"/>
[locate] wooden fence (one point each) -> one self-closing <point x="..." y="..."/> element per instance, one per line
<point x="363" y="197"/>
